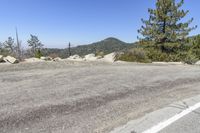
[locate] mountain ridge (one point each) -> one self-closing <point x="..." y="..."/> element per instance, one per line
<point x="106" y="46"/>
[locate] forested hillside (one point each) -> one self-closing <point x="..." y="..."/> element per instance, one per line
<point x="106" y="46"/>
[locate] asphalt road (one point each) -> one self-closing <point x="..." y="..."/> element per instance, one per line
<point x="70" y="97"/>
<point x="188" y="124"/>
<point x="179" y="117"/>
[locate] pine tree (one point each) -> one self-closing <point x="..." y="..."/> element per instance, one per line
<point x="165" y="23"/>
<point x="9" y="45"/>
<point x="35" y="44"/>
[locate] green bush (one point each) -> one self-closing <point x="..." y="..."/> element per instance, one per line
<point x="156" y="55"/>
<point x="101" y="54"/>
<point x="134" y="55"/>
<point x="166" y="52"/>
<point x="195" y="47"/>
<point x="171" y="52"/>
<point x="38" y="54"/>
<point x="188" y="57"/>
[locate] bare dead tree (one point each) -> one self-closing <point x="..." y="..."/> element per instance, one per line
<point x="18" y="46"/>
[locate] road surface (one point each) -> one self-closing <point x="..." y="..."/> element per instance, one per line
<point x="187" y="124"/>
<point x="73" y="97"/>
<point x="179" y="117"/>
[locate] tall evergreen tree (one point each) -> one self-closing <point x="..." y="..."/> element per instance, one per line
<point x="165" y="23"/>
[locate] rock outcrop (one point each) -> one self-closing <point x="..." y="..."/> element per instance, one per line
<point x="197" y="63"/>
<point x="10" y="59"/>
<point x="91" y="57"/>
<point x="46" y="58"/>
<point x="57" y="59"/>
<point x="110" y="57"/>
<point x="75" y="58"/>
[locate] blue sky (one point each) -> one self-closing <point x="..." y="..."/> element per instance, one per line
<point x="57" y="22"/>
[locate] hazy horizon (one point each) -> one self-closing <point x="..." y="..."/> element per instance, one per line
<point x="80" y="22"/>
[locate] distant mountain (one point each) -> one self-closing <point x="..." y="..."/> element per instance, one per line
<point x="106" y="46"/>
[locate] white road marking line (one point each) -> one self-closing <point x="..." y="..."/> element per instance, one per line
<point x="162" y="125"/>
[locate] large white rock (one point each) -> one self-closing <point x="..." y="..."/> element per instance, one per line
<point x="75" y="58"/>
<point x="57" y="59"/>
<point x="91" y="57"/>
<point x="197" y="63"/>
<point x="1" y="58"/>
<point x="10" y="59"/>
<point x="46" y="58"/>
<point x="110" y="57"/>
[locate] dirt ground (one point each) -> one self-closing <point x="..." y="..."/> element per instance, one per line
<point x="89" y="97"/>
